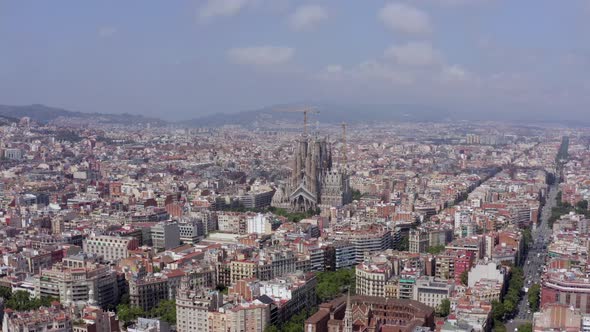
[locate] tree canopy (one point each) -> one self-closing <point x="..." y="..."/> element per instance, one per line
<point x="533" y="296"/>
<point x="166" y="311"/>
<point x="435" y="250"/>
<point x="444" y="309"/>
<point x="526" y="327"/>
<point x="332" y="284"/>
<point x="23" y="301"/>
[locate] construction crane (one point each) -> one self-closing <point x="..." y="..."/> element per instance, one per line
<point x="344" y="157"/>
<point x="305" y="111"/>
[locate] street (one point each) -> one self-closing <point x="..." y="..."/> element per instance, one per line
<point x="535" y="260"/>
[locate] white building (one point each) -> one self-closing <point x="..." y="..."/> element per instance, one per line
<point x="111" y="248"/>
<point x="431" y="291"/>
<point x="149" y="325"/>
<point x="258" y="224"/>
<point x="489" y="271"/>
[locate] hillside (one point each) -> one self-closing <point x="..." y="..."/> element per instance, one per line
<point x="46" y="114"/>
<point x="329" y="113"/>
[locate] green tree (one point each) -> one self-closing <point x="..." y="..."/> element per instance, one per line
<point x="527" y="236"/>
<point x="128" y="314"/>
<point x="465" y="277"/>
<point x="509" y="306"/>
<point x="498" y="310"/>
<point x="292" y="216"/>
<point x="356" y="195"/>
<point x="444" y="309"/>
<point x="166" y="311"/>
<point x="222" y="289"/>
<point x="271" y="328"/>
<point x="404" y="244"/>
<point x="435" y="250"/>
<point x="526" y="327"/>
<point x="499" y="326"/>
<point x="332" y="284"/>
<point x="295" y="324"/>
<point x="534" y="295"/>
<point x="5" y="293"/>
<point x="21" y="300"/>
<point x="124" y="298"/>
<point x="582" y="205"/>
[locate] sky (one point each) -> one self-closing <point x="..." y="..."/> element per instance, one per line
<point x="180" y="59"/>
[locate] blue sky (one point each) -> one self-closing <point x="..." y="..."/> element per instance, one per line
<point x="183" y="58"/>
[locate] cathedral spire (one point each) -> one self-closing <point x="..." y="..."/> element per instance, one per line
<point x="348" y="315"/>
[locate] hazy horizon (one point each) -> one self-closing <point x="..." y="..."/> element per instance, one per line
<point x="184" y="59"/>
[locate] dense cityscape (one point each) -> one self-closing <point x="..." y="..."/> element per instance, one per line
<point x="388" y="227"/>
<point x="294" y="166"/>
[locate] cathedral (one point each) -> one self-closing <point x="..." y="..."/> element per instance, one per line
<point x="313" y="183"/>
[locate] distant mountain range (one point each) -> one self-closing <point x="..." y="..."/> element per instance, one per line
<point x="328" y="113"/>
<point x="281" y="114"/>
<point x="46" y="114"/>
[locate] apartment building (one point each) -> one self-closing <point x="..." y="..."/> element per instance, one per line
<point x="79" y="279"/>
<point x="230" y="222"/>
<point x="372" y="276"/>
<point x="111" y="248"/>
<point x="419" y="241"/>
<point x="165" y="235"/>
<point x="246" y="317"/>
<point x="193" y="308"/>
<point x="147" y="291"/>
<point x="431" y="291"/>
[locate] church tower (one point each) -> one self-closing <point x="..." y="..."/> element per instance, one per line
<point x="348" y="315"/>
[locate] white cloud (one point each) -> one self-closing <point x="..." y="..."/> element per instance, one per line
<point x="373" y="69"/>
<point x="307" y="17"/>
<point x="334" y="69"/>
<point x="107" y="31"/>
<point x="414" y="54"/>
<point x="455" y="73"/>
<point x="457" y="2"/>
<point x="406" y="19"/>
<point x="214" y="8"/>
<point x="369" y="72"/>
<point x="261" y="55"/>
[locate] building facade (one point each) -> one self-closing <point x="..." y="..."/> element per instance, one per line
<point x="313" y="182"/>
<point x="111" y="248"/>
